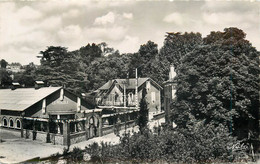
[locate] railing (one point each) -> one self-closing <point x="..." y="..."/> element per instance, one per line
<point x="116" y="103"/>
<point x="112" y="103"/>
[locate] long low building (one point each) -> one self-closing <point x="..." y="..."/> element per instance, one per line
<point x="51" y="114"/>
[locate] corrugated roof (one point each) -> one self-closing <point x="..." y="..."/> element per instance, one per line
<point x="22" y="98"/>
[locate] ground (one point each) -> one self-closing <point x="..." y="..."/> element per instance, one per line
<point x="14" y="149"/>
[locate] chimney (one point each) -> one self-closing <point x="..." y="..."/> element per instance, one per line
<point x="127" y="78"/>
<point x="172" y="73"/>
<point x="38" y="84"/>
<point x="15" y="85"/>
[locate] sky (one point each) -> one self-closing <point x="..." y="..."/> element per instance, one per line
<point x="28" y="27"/>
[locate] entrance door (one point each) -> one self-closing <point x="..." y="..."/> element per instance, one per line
<point x="91" y="131"/>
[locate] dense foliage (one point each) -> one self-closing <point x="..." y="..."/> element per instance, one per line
<point x="219" y="82"/>
<point x="200" y="143"/>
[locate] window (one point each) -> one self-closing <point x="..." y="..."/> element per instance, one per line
<point x="11" y="122"/>
<point x="5" y="121"/>
<point x="91" y="120"/>
<point x="130" y="97"/>
<point x="153" y="97"/>
<point x="18" y="124"/>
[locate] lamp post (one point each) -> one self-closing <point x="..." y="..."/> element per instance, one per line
<point x="124" y="94"/>
<point x="136" y="90"/>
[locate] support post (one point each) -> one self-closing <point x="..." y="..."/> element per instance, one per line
<point x="100" y="133"/>
<point x="57" y="124"/>
<point x="48" y="138"/>
<point x="34" y="131"/>
<point x="66" y="133"/>
<point x="87" y="128"/>
<point x="125" y="122"/>
<point x="124" y="96"/>
<point x="21" y="120"/>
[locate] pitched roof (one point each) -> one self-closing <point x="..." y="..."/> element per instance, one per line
<point x="106" y="85"/>
<point x="131" y="82"/>
<point x="22" y="98"/>
<point x="130" y="85"/>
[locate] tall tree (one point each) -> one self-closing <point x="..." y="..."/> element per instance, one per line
<point x="53" y="56"/>
<point x="143" y="113"/>
<point x="177" y="45"/>
<point x="5" y="78"/>
<point x="27" y="77"/>
<point x="219" y="82"/>
<point x="3" y="63"/>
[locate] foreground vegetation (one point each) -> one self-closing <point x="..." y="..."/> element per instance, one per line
<point x="202" y="144"/>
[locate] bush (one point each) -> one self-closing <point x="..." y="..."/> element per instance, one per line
<point x="200" y="143"/>
<point x="76" y="155"/>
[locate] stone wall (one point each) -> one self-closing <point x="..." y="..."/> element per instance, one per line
<point x="121" y="126"/>
<point x="56" y="139"/>
<point x="78" y="137"/>
<point x="107" y="129"/>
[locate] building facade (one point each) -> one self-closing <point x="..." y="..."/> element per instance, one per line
<point x="169" y="87"/>
<point x="122" y="92"/>
<point x="53" y="114"/>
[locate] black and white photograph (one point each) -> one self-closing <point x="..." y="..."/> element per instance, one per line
<point x="129" y="81"/>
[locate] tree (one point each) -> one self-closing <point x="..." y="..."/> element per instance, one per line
<point x="89" y="52"/>
<point x="53" y="56"/>
<point x="27" y="77"/>
<point x="3" y="63"/>
<point x="218" y="81"/>
<point x="143" y="59"/>
<point x="177" y="45"/>
<point x="5" y="78"/>
<point x="143" y="113"/>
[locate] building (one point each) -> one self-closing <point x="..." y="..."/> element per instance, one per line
<point x="53" y="114"/>
<point x="169" y="94"/>
<point x="122" y="92"/>
<point x="14" y="67"/>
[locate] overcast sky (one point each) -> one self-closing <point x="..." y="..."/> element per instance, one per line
<point x="28" y="27"/>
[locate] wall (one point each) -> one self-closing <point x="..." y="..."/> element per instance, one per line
<point x="110" y="100"/>
<point x="107" y="130"/>
<point x="110" y="129"/>
<point x="56" y="139"/>
<point x="156" y="105"/>
<point x="14" y="117"/>
<point x="78" y="137"/>
<point x="35" y="111"/>
<point x="54" y="105"/>
<point x="68" y="104"/>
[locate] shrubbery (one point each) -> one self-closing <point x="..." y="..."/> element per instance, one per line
<point x="201" y="143"/>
